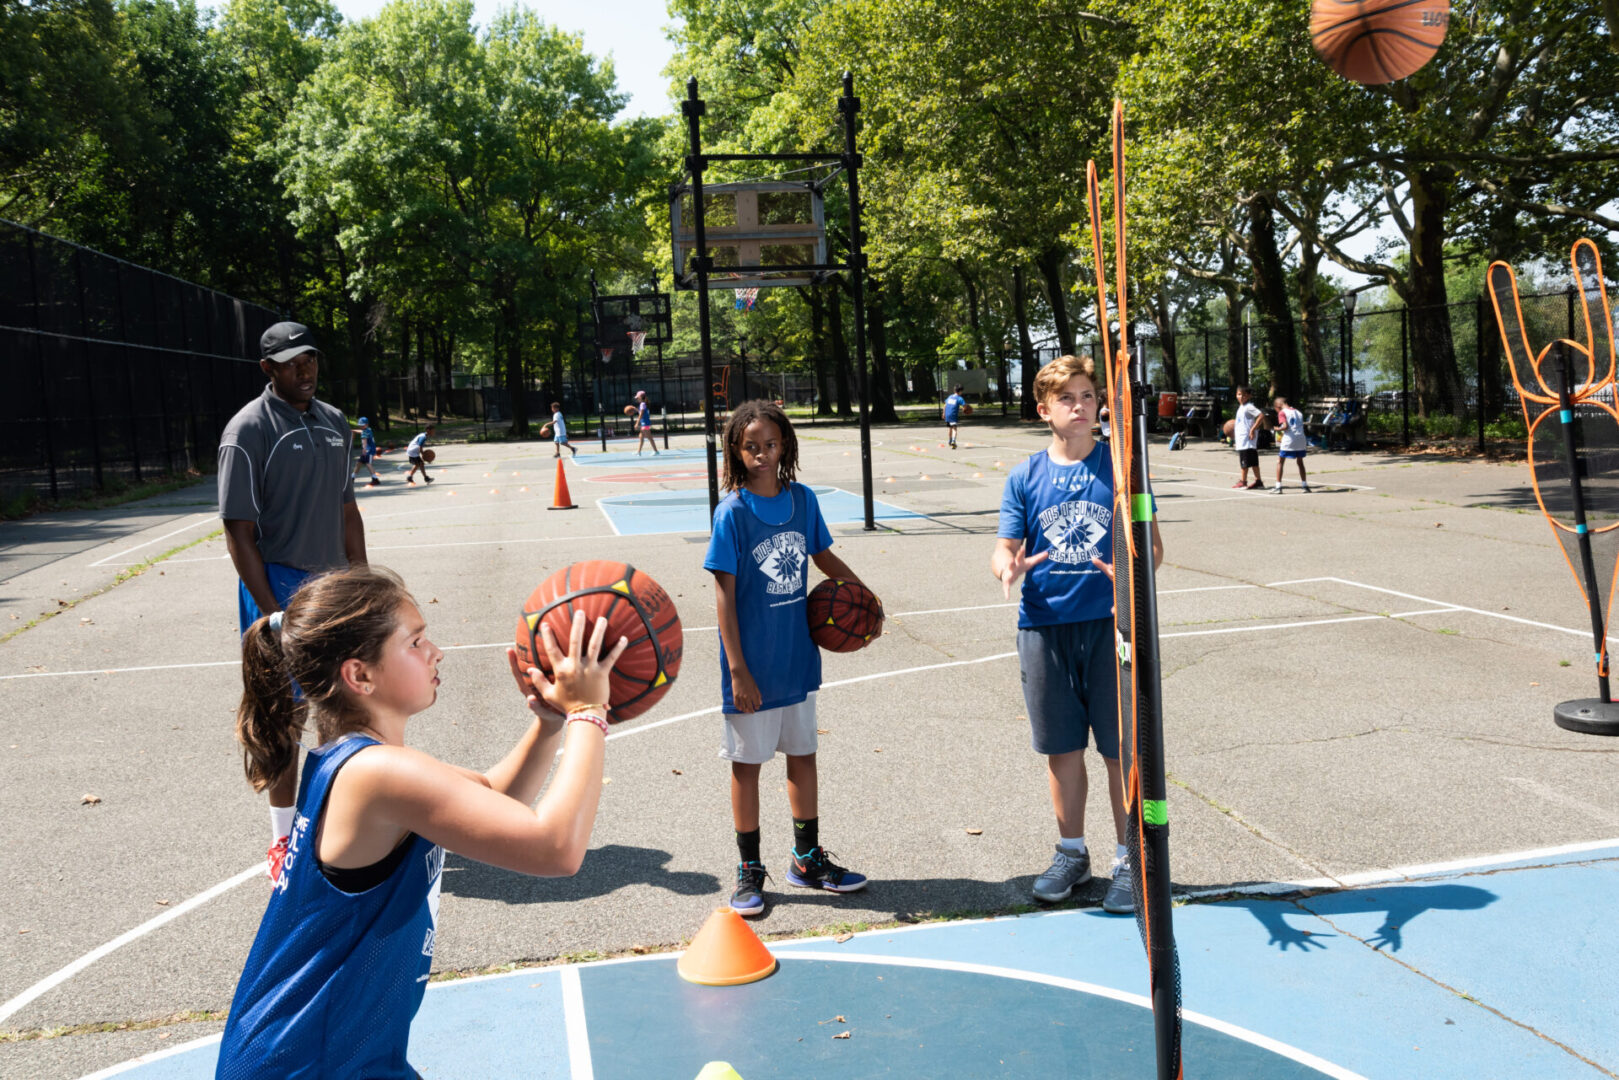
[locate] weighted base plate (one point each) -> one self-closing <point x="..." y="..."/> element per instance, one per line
<point x="1591" y="716"/>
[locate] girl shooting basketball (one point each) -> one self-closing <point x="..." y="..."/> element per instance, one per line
<point x="341" y="959"/>
<point x="766" y="531"/>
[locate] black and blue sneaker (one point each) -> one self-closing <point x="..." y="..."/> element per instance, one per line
<point x="748" y="898"/>
<point x="815" y="869"/>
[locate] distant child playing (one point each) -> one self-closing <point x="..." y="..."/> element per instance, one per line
<point x="643" y="423"/>
<point x="766" y="531"/>
<point x="368" y="450"/>
<point x="343" y="953"/>
<point x="1292" y="443"/>
<point x="558" y="427"/>
<point x="952" y="414"/>
<point x="1245" y="437"/>
<point x="1056" y="526"/>
<point x="417" y="459"/>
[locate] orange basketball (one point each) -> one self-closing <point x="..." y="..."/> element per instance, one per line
<point x="1378" y="41"/>
<point x="635" y="607"/>
<point x="630" y="410"/>
<point x="843" y="615"/>
<point x="428" y="456"/>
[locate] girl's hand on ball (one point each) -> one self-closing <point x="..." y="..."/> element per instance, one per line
<point x="528" y="684"/>
<point x="578" y="680"/>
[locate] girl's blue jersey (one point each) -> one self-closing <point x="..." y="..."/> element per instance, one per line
<point x="334" y="978"/>
<point x="767" y="544"/>
<point x="646" y="415"/>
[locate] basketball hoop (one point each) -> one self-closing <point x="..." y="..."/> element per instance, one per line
<point x="637" y="341"/>
<point x="607" y="355"/>
<point x="747" y="299"/>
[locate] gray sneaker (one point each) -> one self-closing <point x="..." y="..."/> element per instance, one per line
<point x="1120" y="899"/>
<point x="1067" y="870"/>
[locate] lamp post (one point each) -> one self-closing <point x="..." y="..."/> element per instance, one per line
<point x="1346" y="344"/>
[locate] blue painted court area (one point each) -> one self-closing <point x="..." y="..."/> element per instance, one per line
<point x="1498" y="971"/>
<point x="687" y="511"/>
<point x="621" y="458"/>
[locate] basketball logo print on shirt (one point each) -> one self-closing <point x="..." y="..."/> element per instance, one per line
<point x="1075" y="531"/>
<point x="435" y="874"/>
<point x="781" y="559"/>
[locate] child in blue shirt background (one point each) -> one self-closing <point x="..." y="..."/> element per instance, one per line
<point x="1056" y="526"/>
<point x="368" y="449"/>
<point x="952" y="414"/>
<point x="766" y="532"/>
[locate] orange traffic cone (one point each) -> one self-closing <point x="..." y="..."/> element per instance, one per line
<point x="561" y="499"/>
<point x="725" y="952"/>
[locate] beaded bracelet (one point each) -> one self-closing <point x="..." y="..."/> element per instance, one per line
<point x="593" y="717"/>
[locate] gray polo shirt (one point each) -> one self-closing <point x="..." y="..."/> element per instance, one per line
<point x="288" y="472"/>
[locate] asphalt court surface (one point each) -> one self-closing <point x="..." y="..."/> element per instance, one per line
<point x="1354" y="679"/>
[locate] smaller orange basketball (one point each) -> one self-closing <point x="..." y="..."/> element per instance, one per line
<point x="1378" y="41"/>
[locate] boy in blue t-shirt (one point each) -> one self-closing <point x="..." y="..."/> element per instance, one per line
<point x="765" y="534"/>
<point x="1057" y="526"/>
<point x="368" y="450"/>
<point x="952" y="414"/>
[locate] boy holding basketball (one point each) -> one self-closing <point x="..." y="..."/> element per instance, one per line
<point x="952" y="414"/>
<point x="1291" y="443"/>
<point x="766" y="532"/>
<point x="1056" y="526"/>
<point x="558" y="430"/>
<point x="1245" y="437"/>
<point x="417" y="453"/>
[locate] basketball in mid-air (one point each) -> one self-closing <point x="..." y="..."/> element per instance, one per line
<point x="1378" y="41"/>
<point x="843" y="615"/>
<point x="635" y="606"/>
<point x="428" y="456"/>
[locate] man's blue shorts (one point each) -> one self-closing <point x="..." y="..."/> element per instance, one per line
<point x="1070" y="686"/>
<point x="284" y="581"/>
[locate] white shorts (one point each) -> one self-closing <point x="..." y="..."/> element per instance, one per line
<point x="755" y="738"/>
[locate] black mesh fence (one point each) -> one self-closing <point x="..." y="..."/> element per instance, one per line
<point x="116" y="373"/>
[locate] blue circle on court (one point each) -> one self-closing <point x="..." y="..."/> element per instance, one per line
<point x="902" y="1021"/>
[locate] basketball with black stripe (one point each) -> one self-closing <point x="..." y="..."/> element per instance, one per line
<point x="1378" y="41"/>
<point x="843" y="615"/>
<point x="635" y="607"/>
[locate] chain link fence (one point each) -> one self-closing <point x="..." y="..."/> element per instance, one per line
<point x="115" y="373"/>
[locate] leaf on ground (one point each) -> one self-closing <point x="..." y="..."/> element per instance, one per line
<point x="841" y="1035"/>
<point x="89" y="800"/>
<point x="677" y="772"/>
<point x="823" y="731"/>
<point x="163" y="903"/>
<point x="841" y="938"/>
<point x="975" y="832"/>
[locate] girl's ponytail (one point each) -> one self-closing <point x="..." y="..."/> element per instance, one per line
<point x="269" y="721"/>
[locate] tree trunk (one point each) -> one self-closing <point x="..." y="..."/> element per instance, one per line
<point x="817" y="303"/>
<point x="1271" y="302"/>
<point x="1162" y="311"/>
<point x="512" y="343"/>
<point x="1315" y="357"/>
<point x="882" y="375"/>
<point x="1236" y="343"/>
<point x="1050" y="264"/>
<point x="840" y="352"/>
<point x="1436" y="379"/>
<point x="360" y="352"/>
<point x="1020" y="305"/>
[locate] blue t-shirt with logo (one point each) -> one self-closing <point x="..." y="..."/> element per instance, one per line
<point x="1066" y="510"/>
<point x="368" y="440"/>
<point x="952" y="408"/>
<point x="767" y="544"/>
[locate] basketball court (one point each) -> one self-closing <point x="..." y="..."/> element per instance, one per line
<point x="1391" y="862"/>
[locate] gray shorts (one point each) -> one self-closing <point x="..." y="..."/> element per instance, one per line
<point x="755" y="738"/>
<point x="1070" y="686"/>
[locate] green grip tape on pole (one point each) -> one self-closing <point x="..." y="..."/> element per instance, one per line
<point x="1155" y="811"/>
<point x="1141" y="507"/>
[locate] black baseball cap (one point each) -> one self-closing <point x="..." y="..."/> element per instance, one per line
<point x="285" y="340"/>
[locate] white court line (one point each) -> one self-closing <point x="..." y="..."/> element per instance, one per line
<point x="1275" y="1046"/>
<point x="51" y="981"/>
<point x="1430" y="600"/>
<point x="1160" y="464"/>
<point x="198" y="519"/>
<point x="155" y="1055"/>
<point x="573" y="1015"/>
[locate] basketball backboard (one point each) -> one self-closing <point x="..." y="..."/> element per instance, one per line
<point x="747" y="225"/>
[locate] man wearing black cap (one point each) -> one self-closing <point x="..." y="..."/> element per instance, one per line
<point x="286" y="494"/>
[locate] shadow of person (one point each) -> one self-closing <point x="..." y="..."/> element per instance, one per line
<point x="1273" y="915"/>
<point x="606" y="870"/>
<point x="1400" y="904"/>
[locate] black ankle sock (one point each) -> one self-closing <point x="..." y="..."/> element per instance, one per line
<point x="806" y="834"/>
<point x="747" y="845"/>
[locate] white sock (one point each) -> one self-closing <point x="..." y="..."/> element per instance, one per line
<point x="1074" y="844"/>
<point x="281" y="821"/>
<point x="1120" y="853"/>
